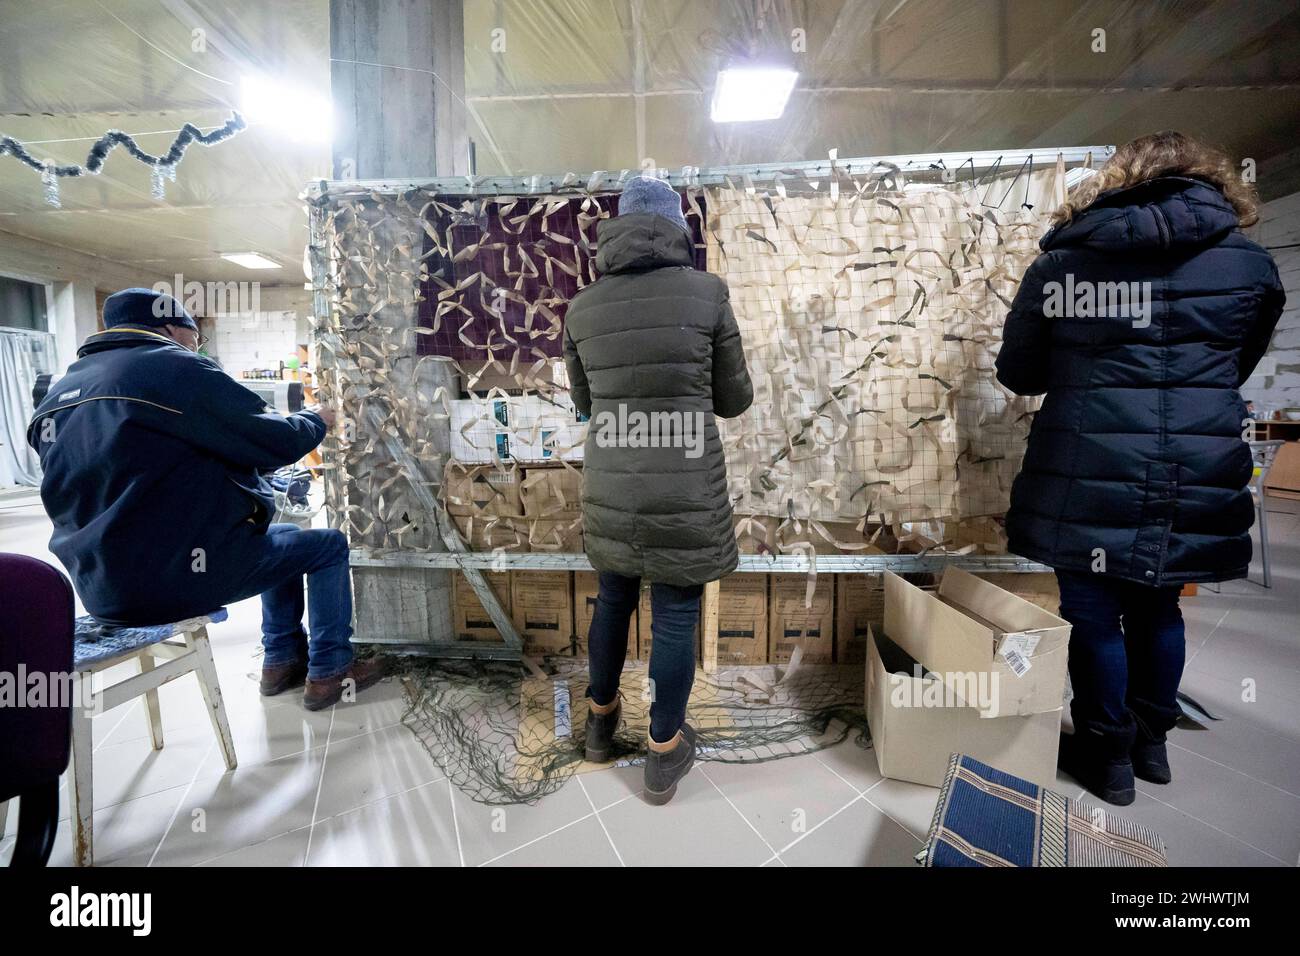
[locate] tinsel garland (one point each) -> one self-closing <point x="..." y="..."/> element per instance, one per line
<point x="164" y="166"/>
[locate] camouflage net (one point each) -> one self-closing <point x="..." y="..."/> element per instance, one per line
<point x="506" y="737"/>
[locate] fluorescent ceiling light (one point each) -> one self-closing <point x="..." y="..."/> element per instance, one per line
<point x="250" y="260"/>
<point x="745" y="94"/>
<point x="296" y="112"/>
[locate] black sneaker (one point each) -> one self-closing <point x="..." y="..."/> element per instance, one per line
<point x="663" y="771"/>
<point x="600" y="732"/>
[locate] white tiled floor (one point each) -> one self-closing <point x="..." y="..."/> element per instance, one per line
<point x="352" y="786"/>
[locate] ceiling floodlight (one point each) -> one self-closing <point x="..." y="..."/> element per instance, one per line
<point x="750" y="93"/>
<point x="299" y="113"/>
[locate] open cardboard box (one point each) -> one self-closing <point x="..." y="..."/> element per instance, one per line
<point x="972" y="626"/>
<point x="913" y="731"/>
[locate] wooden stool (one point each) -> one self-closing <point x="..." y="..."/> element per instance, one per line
<point x="165" y="652"/>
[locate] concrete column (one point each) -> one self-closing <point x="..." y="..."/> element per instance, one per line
<point x="72" y="317"/>
<point x="398" y="81"/>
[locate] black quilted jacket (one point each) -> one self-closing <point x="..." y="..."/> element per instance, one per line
<point x="1136" y="464"/>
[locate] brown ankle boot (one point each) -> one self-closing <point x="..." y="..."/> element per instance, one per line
<point x="278" y="678"/>
<point x="328" y="691"/>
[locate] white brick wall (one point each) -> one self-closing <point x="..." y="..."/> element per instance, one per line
<point x="1277" y="382"/>
<point x="252" y="341"/>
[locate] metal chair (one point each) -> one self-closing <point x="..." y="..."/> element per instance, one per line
<point x="36" y="632"/>
<point x="1263" y="452"/>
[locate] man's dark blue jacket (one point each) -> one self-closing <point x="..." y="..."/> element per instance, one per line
<point x="151" y="456"/>
<point x="1137" y="454"/>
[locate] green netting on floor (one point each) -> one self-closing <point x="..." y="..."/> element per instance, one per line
<point x="505" y="736"/>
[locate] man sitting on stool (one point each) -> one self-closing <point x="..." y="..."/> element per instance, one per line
<point x="151" y="456"/>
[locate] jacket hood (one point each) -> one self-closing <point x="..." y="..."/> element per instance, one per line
<point x="1169" y="212"/>
<point x="641" y="241"/>
<point x="122" y="336"/>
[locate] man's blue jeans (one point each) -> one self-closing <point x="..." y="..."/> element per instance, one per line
<point x="1127" y="648"/>
<point x="287" y="553"/>
<point x="676" y="612"/>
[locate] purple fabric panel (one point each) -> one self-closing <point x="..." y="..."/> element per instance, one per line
<point x="508" y="255"/>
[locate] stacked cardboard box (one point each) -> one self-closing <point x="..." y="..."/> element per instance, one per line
<point x="968" y="669"/>
<point x="586" y="587"/>
<point x="742" y="620"/>
<point x="524" y="428"/>
<point x="859" y="608"/>
<point x="472" y="622"/>
<point x="542" y="610"/>
<point x="551" y="497"/>
<point x="485" y="505"/>
<point x="794" y="621"/>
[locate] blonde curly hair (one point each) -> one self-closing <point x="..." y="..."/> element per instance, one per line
<point x="1167" y="153"/>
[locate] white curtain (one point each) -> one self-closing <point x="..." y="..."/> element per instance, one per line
<point x="21" y="360"/>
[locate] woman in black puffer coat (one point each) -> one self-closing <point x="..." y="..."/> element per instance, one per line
<point x="1139" y="322"/>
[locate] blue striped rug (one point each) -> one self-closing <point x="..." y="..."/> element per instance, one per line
<point x="989" y="818"/>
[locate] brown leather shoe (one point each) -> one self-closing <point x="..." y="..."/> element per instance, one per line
<point x="281" y="677"/>
<point x="328" y="691"/>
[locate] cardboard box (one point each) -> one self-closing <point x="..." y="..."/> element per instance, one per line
<point x="755" y="534"/>
<point x="1036" y="587"/>
<point x="586" y="587"/>
<point x="471" y="621"/>
<point x="551" y="491"/>
<point x="482" y="490"/>
<point x="562" y="535"/>
<point x="742" y="619"/>
<point x="859" y="608"/>
<point x="489" y="533"/>
<point x="917" y="723"/>
<point x="542" y="609"/>
<point x="970" y="626"/>
<point x="645" y="635"/>
<point x="792" y="624"/>
<point x="525" y="428"/>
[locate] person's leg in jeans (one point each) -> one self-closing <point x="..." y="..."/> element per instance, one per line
<point x="1097" y="658"/>
<point x="288" y="553"/>
<point x="1097" y="754"/>
<point x="607" y="641"/>
<point x="676" y="611"/>
<point x="1157" y="648"/>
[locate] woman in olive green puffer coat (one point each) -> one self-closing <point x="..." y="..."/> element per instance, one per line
<point x="653" y="355"/>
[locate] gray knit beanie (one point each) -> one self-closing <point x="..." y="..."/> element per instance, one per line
<point x="644" y="194"/>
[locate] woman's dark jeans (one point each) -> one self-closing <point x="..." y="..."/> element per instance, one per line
<point x="672" y="661"/>
<point x="1127" y="649"/>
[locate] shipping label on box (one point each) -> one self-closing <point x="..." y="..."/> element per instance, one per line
<point x="742" y="619"/>
<point x="796" y="622"/>
<point x="971" y="626"/>
<point x="542" y="608"/>
<point x="859" y="607"/>
<point x="586" y="589"/>
<point x="472" y="621"/>
<point x="917" y="722"/>
<point x="645" y="627"/>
